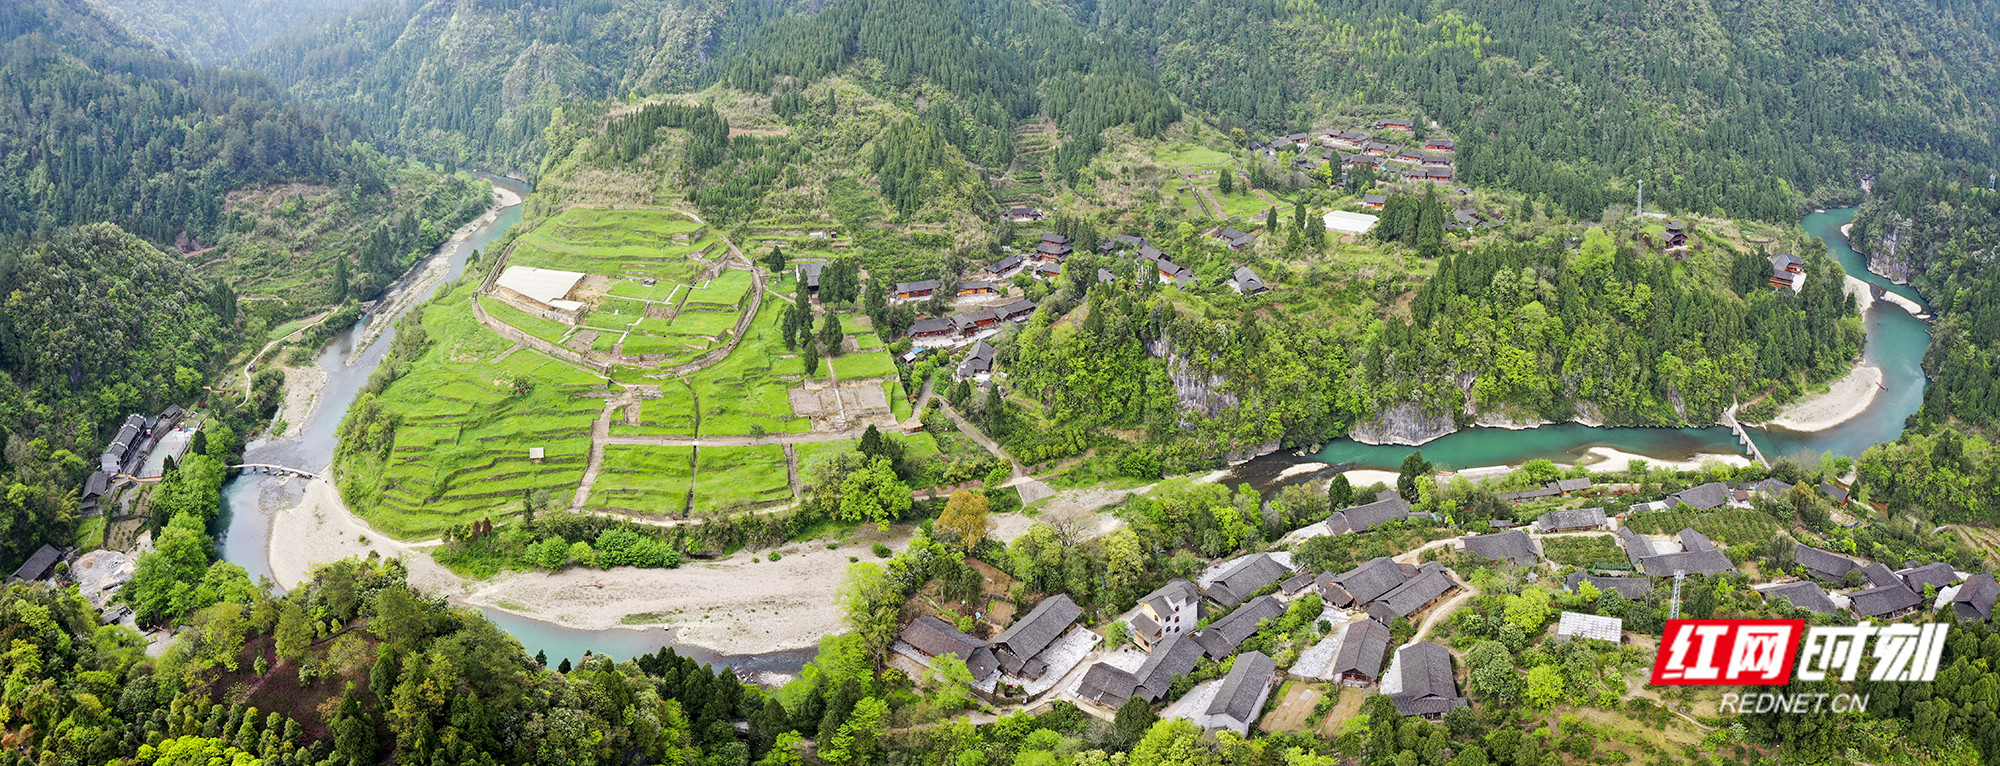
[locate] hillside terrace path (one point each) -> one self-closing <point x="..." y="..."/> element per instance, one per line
<point x="247" y="366"/>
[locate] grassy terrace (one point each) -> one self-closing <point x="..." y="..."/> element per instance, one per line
<point x="622" y="243"/>
<point x="461" y="444"/>
<point x="647" y="480"/>
<point x="732" y="478"/>
<point x="748" y="387"/>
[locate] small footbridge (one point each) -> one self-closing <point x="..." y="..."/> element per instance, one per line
<point x="276" y="470"/>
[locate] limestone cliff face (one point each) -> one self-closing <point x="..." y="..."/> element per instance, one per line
<point x="1405" y="424"/>
<point x="1882" y="244"/>
<point x="1195" y="391"/>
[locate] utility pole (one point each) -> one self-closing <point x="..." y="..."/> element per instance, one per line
<point x="1640" y="206"/>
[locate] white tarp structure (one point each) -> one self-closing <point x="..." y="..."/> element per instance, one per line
<point x="548" y="287"/>
<point x="1349" y="222"/>
<point x="1579" y="625"/>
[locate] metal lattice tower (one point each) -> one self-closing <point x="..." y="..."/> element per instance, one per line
<point x="1674" y="606"/>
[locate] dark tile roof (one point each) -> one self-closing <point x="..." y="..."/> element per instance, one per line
<point x="1974" y="600"/>
<point x="1375" y="199"/>
<point x="1005" y="265"/>
<point x="1834" y="493"/>
<point x="1221" y="637"/>
<point x="809" y="272"/>
<point x="1241" y="696"/>
<point x="1695" y="541"/>
<point x="1513" y="546"/>
<point x="1247" y="576"/>
<point x="1055" y="238"/>
<point x="980" y="360"/>
<point x="1431" y="582"/>
<point x="920" y="286"/>
<point x="1629" y="587"/>
<point x="1771" y="487"/>
<point x="1009" y="309"/>
<point x="1296" y="583"/>
<point x="1575" y="518"/>
<point x="1528" y="494"/>
<point x="1702" y="496"/>
<point x="977" y="284"/>
<point x="1105" y="276"/>
<point x="1367" y="582"/>
<point x="1937" y="574"/>
<point x="1177" y="590"/>
<point x="1824" y="565"/>
<point x="1111" y="687"/>
<point x="933" y="637"/>
<point x="1389" y="507"/>
<point x="925" y="326"/>
<point x="38" y="565"/>
<point x="1692" y="562"/>
<point x="1804" y="594"/>
<point x="1362" y="650"/>
<point x="1637" y="547"/>
<point x="1884" y="601"/>
<point x="1573" y="485"/>
<point x="1053" y="248"/>
<point x="1879" y="576"/>
<point x="1247" y="280"/>
<point x="98" y="484"/>
<point x="1428" y="686"/>
<point x="1029" y="635"/>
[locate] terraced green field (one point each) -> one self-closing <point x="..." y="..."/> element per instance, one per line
<point x="748" y="387"/>
<point x="863" y="365"/>
<point x="672" y="414"/>
<point x="652" y="480"/>
<point x="733" y="478"/>
<point x="623" y="243"/>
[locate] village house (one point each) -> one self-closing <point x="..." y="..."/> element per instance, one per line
<point x="1358" y="587"/>
<point x="1022" y="214"/>
<point x="1629" y="587"/>
<point x="928" y="638"/>
<point x="544" y="293"/>
<point x="1884" y="602"/>
<point x="1173" y="273"/>
<point x="1005" y="267"/>
<point x="1346" y="139"/>
<point x="1378" y="149"/>
<point x="1019" y="646"/>
<point x="977" y="287"/>
<point x="970" y="323"/>
<point x="1171" y="610"/>
<point x="1573" y="520"/>
<point x="1974" y="600"/>
<point x="1375" y="201"/>
<point x="978" y="363"/>
<point x="1879" y="575"/>
<point x="1359" y="661"/>
<point x="1428" y="689"/>
<point x="1110" y="687"/>
<point x="1435" y="161"/>
<point x="1516" y="547"/>
<point x="1804" y="594"/>
<point x="1701" y="497"/>
<point x="1413" y="174"/>
<point x="1788" y="270"/>
<point x="1427" y="588"/>
<point x="1826" y="566"/>
<point x="1360" y="161"/>
<point x="1676" y="235"/>
<point x="1246" y="282"/>
<point x="1697" y="556"/>
<point x="1240" y="700"/>
<point x="1016" y="311"/>
<point x="1439" y="145"/>
<point x="808" y="274"/>
<point x="923" y="329"/>
<point x="915" y="291"/>
<point x="1937" y="574"/>
<point x="1410" y="156"/>
<point x="1233" y="239"/>
<point x="1121" y="242"/>
<point x="39" y="565"/>
<point x="1405" y="126"/>
<point x="1245" y="576"/>
<point x="1221" y="637"/>
<point x="1048" y="270"/>
<point x="1835" y="493"/>
<point x="1441" y="175"/>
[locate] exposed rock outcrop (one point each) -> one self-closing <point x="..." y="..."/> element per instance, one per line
<point x="1405" y="424"/>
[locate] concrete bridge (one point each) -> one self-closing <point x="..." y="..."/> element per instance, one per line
<point x="276" y="470"/>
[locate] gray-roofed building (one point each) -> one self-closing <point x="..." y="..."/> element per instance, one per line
<point x="933" y="638"/>
<point x="1701" y="496"/>
<point x="1110" y="687"/>
<point x="1827" y="566"/>
<point x="931" y="328"/>
<point x="1375" y="201"/>
<point x="1429" y="689"/>
<point x="1362" y="585"/>
<point x="1429" y="586"/>
<point x="1692" y="562"/>
<point x="1974" y="600"/>
<point x="1173" y="273"/>
<point x="978" y="362"/>
<point x="1020" y="642"/>
<point x="1936" y="574"/>
<point x="1295" y="584"/>
<point x="1170" y="610"/>
<point x="1629" y="587"/>
<point x="1513" y="546"/>
<point x="1015" y="311"/>
<point x="977" y="287"/>
<point x="1885" y="602"/>
<point x="1246" y="282"/>
<point x="1248" y="575"/>
<point x="1833" y="492"/>
<point x="38" y="566"/>
<point x="1695" y="541"/>
<point x="1387" y="507"/>
<point x="1591" y="626"/>
<point x="1771" y="488"/>
<point x="1359" y="661"/>
<point x="1578" y="484"/>
<point x="1804" y="594"/>
<point x="1234" y="239"/>
<point x="1005" y="266"/>
<point x="1048" y="270"/>
<point x="1221" y="637"/>
<point x="915" y="290"/>
<point x="1240" y="700"/>
<point x="1570" y="520"/>
<point x="809" y="273"/>
<point x="1637" y="547"/>
<point x="1528" y="494"/>
<point x="1105" y="277"/>
<point x="1879" y="576"/>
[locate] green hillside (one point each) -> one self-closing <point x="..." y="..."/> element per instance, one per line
<point x="214" y="32"/>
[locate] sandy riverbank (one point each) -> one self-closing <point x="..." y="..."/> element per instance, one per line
<point x="1606" y="459"/>
<point x="1864" y="298"/>
<point x="731" y="606"/>
<point x="1846" y="400"/>
<point x="320" y="530"/>
<point x="302" y="387"/>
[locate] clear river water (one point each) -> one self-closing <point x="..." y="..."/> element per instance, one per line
<point x="1896" y="342"/>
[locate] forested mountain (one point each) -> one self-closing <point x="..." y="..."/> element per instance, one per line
<point x="96" y="126"/>
<point x="217" y="30"/>
<point x="475" y="81"/>
<point x="1744" y="108"/>
<point x="1939" y="231"/>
